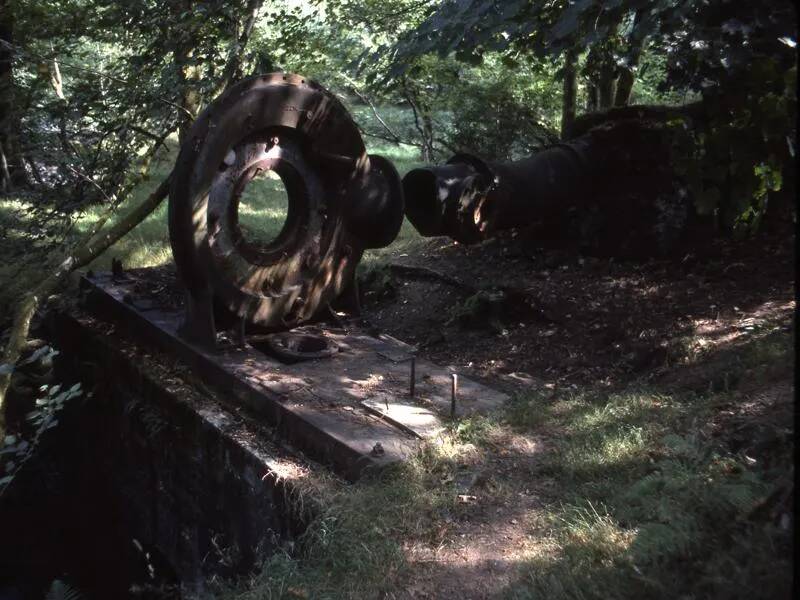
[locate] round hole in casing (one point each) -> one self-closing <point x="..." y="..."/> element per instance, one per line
<point x="263" y="208"/>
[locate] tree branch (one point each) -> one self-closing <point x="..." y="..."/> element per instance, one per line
<point x="234" y="62"/>
<point x="374" y="110"/>
<point x="67" y="65"/>
<point x="81" y="256"/>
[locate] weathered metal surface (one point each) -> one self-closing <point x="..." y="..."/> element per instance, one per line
<point x="340" y="202"/>
<point x="297" y="345"/>
<point x="469" y="199"/>
<point x="335" y="409"/>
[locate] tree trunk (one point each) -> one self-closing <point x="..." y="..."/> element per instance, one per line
<point x="626" y="73"/>
<point x="422" y="122"/>
<point x="13" y="173"/>
<point x="568" y="96"/>
<point x="188" y="76"/>
<point x="92" y="247"/>
<point x="624" y="87"/>
<point x="5" y="176"/>
<point x="188" y="71"/>
<point x="606" y="87"/>
<point x="591" y="98"/>
<point x="427" y="134"/>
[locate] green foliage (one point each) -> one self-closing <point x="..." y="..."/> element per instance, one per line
<point x="16" y="451"/>
<point x="474" y="429"/>
<point x="742" y="153"/>
<point x="96" y="87"/>
<point x="737" y="56"/>
<point x="503" y="113"/>
<point x="444" y="103"/>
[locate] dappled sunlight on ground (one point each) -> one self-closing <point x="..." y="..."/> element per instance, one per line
<point x="738" y="324"/>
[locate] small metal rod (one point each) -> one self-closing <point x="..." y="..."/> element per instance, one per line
<point x="454" y="394"/>
<point x="240" y="330"/>
<point x="413" y="382"/>
<point x="242" y="341"/>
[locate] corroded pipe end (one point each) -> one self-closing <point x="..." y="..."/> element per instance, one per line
<point x="470" y="200"/>
<point x="443" y="200"/>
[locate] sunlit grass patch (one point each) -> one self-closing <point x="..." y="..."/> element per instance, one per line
<point x="610" y="449"/>
<point x="146" y="245"/>
<point x="353" y="547"/>
<point x="585" y="559"/>
<point x="594" y="537"/>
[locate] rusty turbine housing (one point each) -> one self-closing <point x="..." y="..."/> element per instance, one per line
<point x="341" y="201"/>
<point x="469" y="199"/>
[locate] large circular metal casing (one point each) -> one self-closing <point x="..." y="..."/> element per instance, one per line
<point x="340" y="201"/>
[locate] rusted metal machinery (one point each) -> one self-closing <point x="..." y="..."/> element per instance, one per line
<point x="340" y="202"/>
<point x="469" y="199"/>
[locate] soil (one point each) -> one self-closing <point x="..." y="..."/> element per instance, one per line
<point x="474" y="552"/>
<point x="591" y="320"/>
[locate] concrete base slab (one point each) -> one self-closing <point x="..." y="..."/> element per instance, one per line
<point x="352" y="411"/>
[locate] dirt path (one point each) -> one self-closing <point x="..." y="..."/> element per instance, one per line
<point x="474" y="553"/>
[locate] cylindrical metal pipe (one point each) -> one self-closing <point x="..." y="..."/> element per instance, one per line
<point x="469" y="199"/>
<point x="437" y="194"/>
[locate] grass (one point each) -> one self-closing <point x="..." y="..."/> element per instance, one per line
<point x="351" y="548"/>
<point x="648" y="501"/>
<point x="651" y="505"/>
